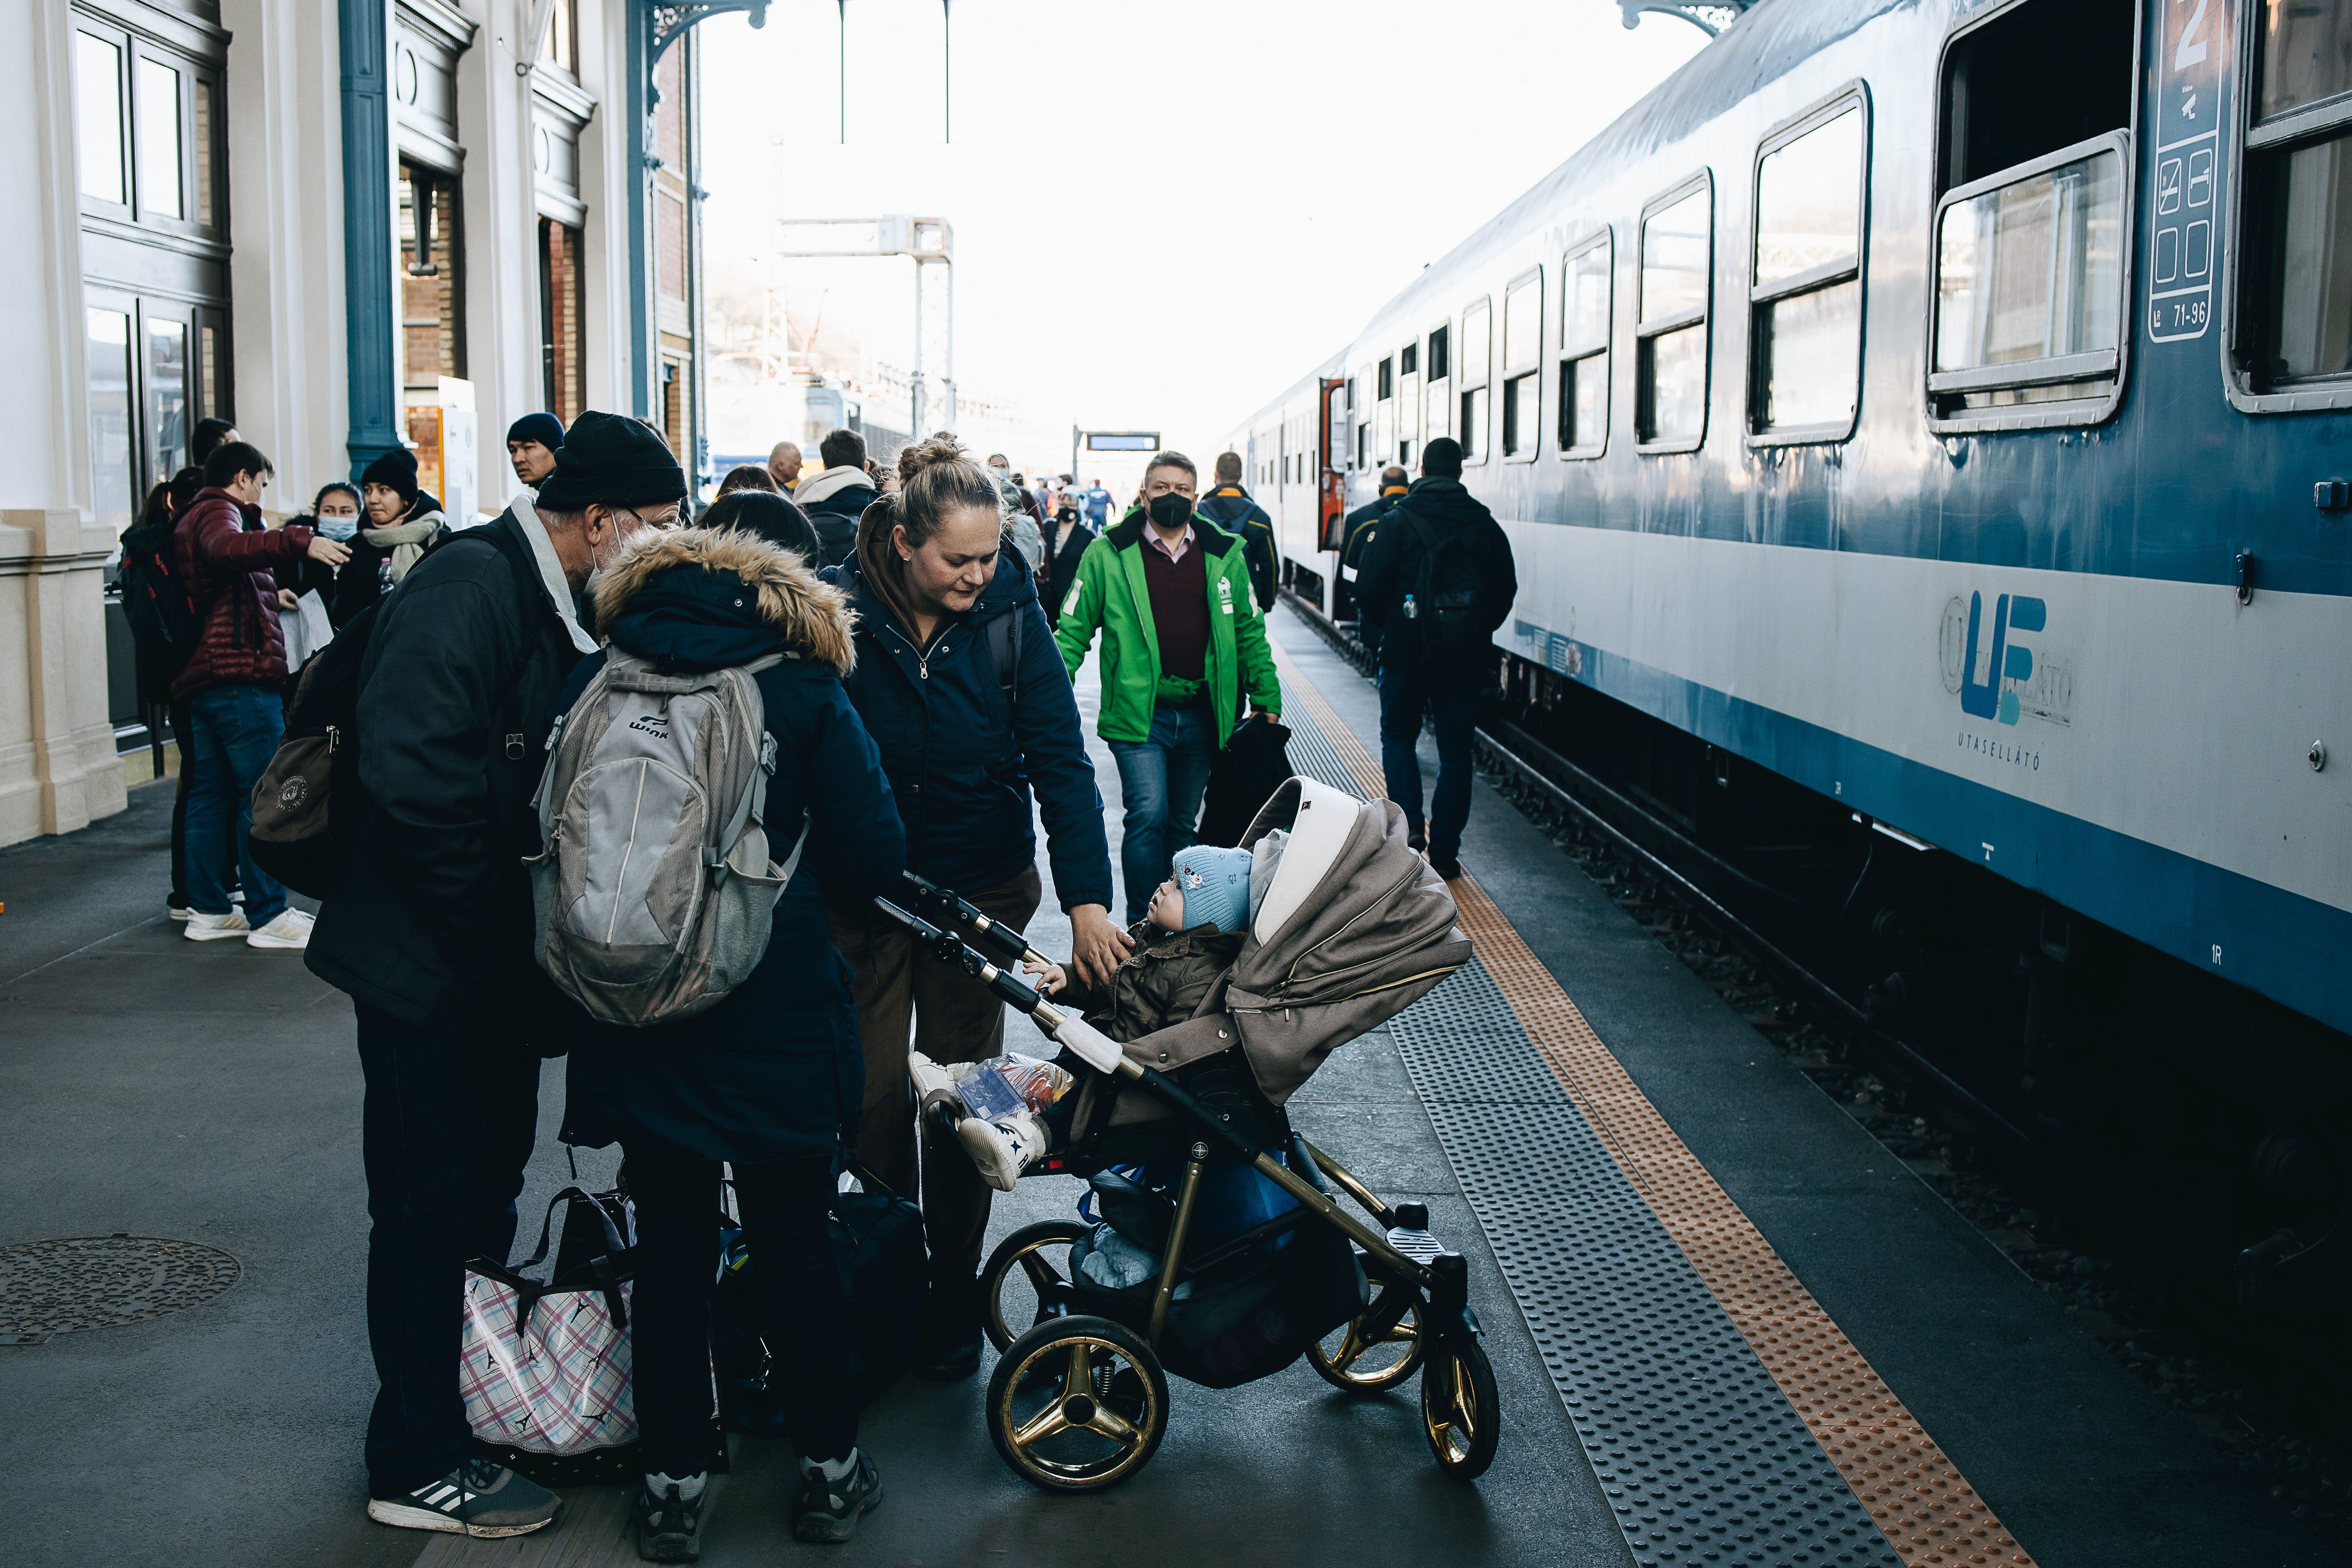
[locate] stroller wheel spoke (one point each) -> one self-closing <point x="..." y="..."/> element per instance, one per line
<point x="1110" y="1424"/>
<point x="1047" y="1423"/>
<point x="1080" y="1377"/>
<point x="1042" y="1274"/>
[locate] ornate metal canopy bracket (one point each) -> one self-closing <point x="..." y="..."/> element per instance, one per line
<point x="666" y="23"/>
<point x="1711" y="19"/>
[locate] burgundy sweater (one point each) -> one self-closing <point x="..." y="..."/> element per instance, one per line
<point x="1179" y="607"/>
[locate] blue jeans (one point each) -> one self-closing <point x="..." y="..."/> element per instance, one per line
<point x="1451" y="700"/>
<point x="1161" y="781"/>
<point x="446" y="1127"/>
<point x="236" y="730"/>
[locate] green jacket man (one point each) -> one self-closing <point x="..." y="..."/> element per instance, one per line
<point x="1183" y="639"/>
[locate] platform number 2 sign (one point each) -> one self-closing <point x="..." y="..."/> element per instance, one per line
<point x="2187" y="176"/>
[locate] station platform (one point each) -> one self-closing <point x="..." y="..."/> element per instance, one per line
<point x="1728" y="1327"/>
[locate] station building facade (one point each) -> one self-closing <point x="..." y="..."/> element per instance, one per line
<point x="342" y="225"/>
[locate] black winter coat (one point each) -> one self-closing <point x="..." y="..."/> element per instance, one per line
<point x="774" y="1072"/>
<point x="429" y="916"/>
<point x="1062" y="570"/>
<point x="962" y="766"/>
<point x="364" y="578"/>
<point x="1229" y="508"/>
<point x="1393" y="564"/>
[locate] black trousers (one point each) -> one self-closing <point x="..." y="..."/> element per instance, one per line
<point x="448" y="1126"/>
<point x="803" y="1304"/>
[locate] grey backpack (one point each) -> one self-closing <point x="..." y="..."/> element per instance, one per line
<point x="653" y="892"/>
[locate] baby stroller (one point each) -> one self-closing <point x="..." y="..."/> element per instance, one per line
<point x="1353" y="927"/>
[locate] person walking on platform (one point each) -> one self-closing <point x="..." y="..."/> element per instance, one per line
<point x="403" y="522"/>
<point x="1358" y="529"/>
<point x="958" y="682"/>
<point x="784" y="465"/>
<point x="1229" y="508"/>
<point x="1436" y="583"/>
<point x="837" y="496"/>
<point x="1182" y="639"/>
<point x="1063" y="547"/>
<point x="767" y="1081"/>
<point x="427" y="927"/>
<point x="1024" y="519"/>
<point x="1097" y="505"/>
<point x="532" y="442"/>
<point x="229" y="690"/>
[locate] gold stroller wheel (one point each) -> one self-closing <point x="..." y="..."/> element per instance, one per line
<point x="1027" y="1279"/>
<point x="1077" y="1405"/>
<point x="1460" y="1411"/>
<point x="1348" y="1358"/>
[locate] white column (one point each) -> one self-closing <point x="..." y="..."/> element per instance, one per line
<point x="57" y="768"/>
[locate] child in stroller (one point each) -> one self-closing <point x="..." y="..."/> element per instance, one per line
<point x="1341" y="925"/>
<point x="1189" y="936"/>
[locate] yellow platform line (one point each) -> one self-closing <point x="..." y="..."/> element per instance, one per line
<point x="1915" y="1494"/>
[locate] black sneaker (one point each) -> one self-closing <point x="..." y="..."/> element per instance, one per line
<point x="1446" y="866"/>
<point x="1415" y="840"/>
<point x="669" y="1529"/>
<point x="829" y="1510"/>
<point x="479" y="1498"/>
<point x="947" y="1345"/>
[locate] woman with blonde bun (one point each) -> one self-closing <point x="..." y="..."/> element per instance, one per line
<point x="959" y="684"/>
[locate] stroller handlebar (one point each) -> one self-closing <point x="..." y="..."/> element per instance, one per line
<point x="942" y="907"/>
<point x="1085" y="1042"/>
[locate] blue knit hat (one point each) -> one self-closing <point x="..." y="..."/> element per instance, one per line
<point x="1215" y="885"/>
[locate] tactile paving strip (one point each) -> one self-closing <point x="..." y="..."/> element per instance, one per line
<point x="1884" y="1460"/>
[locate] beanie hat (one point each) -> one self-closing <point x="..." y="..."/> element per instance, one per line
<point x="1215" y="885"/>
<point x="611" y="460"/>
<point x="543" y="428"/>
<point x="396" y="470"/>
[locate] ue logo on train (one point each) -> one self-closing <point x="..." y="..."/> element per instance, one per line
<point x="2008" y="664"/>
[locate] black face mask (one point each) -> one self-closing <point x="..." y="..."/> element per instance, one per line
<point x="1170" y="510"/>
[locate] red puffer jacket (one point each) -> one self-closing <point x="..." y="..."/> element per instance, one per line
<point x="225" y="558"/>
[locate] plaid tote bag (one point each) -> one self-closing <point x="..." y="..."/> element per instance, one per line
<point x="545" y="1368"/>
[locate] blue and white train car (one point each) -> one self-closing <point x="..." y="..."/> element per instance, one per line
<point x="1946" y="407"/>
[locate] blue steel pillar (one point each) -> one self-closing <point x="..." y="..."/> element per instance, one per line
<point x="367" y="231"/>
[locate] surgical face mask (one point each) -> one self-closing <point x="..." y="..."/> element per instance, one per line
<point x="340" y="530"/>
<point x="1170" y="510"/>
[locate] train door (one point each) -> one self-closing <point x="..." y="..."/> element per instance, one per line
<point x="1331" y="489"/>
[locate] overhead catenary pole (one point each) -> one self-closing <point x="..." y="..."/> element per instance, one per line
<point x="946" y="70"/>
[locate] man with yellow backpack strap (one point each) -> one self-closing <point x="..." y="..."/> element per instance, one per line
<point x="1183" y="639"/>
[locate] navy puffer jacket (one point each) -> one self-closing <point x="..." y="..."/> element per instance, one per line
<point x="962" y="766"/>
<point x="773" y="1071"/>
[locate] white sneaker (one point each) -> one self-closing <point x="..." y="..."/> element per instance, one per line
<point x="290" y="929"/>
<point x="203" y="928"/>
<point x="1002" y="1149"/>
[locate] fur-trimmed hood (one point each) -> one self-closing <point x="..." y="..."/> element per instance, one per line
<point x="813" y="618"/>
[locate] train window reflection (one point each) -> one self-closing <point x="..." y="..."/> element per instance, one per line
<point x="2305" y="54"/>
<point x="2309" y="250"/>
<point x="1673" y="386"/>
<point x="2029" y="278"/>
<point x="1522" y="371"/>
<point x="1670" y="366"/>
<point x="1805" y="306"/>
<point x="1472" y="368"/>
<point x="1584" y="349"/>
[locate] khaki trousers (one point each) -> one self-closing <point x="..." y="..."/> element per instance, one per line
<point x="903" y="991"/>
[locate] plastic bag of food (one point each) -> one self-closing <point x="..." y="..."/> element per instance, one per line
<point x="1005" y="1084"/>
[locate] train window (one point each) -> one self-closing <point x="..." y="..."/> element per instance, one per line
<point x="1437" y="346"/>
<point x="2029" y="288"/>
<point x="1388" y="379"/>
<point x="1805" y="303"/>
<point x="1522" y="366"/>
<point x="1670" y="346"/>
<point x="2293" y="341"/>
<point x="1584" y="278"/>
<point x="2032" y="78"/>
<point x="1470" y="393"/>
<point x="1409" y="358"/>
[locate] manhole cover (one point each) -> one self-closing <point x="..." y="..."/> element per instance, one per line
<point x="98" y="1281"/>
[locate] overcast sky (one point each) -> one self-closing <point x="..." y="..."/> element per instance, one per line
<point x="1165" y="210"/>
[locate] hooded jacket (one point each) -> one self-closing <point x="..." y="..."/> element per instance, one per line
<point x="229" y="560"/>
<point x="1392" y="564"/>
<point x="961" y="765"/>
<point x="773" y="1071"/>
<point x="834" y="501"/>
<point x="1108" y="592"/>
<point x="1229" y="508"/>
<point x="1160" y="984"/>
<point x="429" y="915"/>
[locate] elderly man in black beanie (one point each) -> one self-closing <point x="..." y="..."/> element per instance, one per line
<point x="428" y="926"/>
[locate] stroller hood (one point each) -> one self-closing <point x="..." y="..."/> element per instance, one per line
<point x="1355" y="926"/>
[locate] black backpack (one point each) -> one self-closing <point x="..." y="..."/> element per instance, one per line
<point x="163" y="622"/>
<point x="1446" y="607"/>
